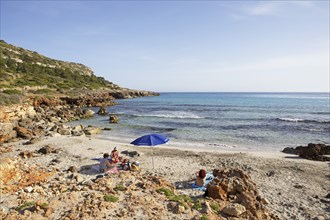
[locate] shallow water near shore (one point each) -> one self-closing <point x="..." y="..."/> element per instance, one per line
<point x="232" y="121"/>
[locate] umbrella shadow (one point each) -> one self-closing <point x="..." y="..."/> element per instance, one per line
<point x="88" y="170"/>
<point x="184" y="184"/>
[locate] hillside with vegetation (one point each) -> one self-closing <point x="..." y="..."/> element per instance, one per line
<point x="27" y="73"/>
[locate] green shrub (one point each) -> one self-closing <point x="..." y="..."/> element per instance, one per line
<point x="119" y="188"/>
<point x="166" y="191"/>
<point x="110" y="198"/>
<point x="6" y="99"/>
<point x="25" y="206"/>
<point x="44" y="204"/>
<point x="12" y="92"/>
<point x="204" y="217"/>
<point x="182" y="199"/>
<point x="198" y="205"/>
<point x="42" y="91"/>
<point x="215" y="207"/>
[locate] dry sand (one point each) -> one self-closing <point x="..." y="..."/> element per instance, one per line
<point x="296" y="188"/>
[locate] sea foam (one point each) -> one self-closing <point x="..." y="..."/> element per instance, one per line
<point x="174" y="114"/>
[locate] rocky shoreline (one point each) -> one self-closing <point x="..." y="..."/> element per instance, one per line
<point x="46" y="173"/>
<point x="46" y="116"/>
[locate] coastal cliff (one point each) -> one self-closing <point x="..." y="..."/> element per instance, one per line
<point x="27" y="75"/>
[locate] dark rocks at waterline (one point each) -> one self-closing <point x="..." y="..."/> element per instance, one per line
<point x="102" y="111"/>
<point x="128" y="94"/>
<point x="113" y="119"/>
<point x="319" y="152"/>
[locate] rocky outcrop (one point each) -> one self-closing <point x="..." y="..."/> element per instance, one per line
<point x="16" y="175"/>
<point x="46" y="115"/>
<point x="237" y="195"/>
<point x="317" y="152"/>
<point x="90" y="99"/>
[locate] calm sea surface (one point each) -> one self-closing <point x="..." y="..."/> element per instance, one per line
<point x="256" y="121"/>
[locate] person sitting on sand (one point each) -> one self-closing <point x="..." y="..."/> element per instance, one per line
<point x="105" y="164"/>
<point x="125" y="164"/>
<point x="115" y="155"/>
<point x="201" y="176"/>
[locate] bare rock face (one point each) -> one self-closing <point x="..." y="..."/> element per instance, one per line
<point x="310" y="152"/>
<point x="239" y="194"/>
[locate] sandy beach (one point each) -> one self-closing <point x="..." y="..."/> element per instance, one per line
<point x="295" y="188"/>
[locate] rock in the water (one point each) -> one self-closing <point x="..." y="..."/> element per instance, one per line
<point x="113" y="119"/>
<point x="102" y="111"/>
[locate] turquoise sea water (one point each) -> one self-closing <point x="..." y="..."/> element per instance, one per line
<point x="256" y="121"/>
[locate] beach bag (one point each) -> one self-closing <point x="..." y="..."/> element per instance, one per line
<point x="134" y="167"/>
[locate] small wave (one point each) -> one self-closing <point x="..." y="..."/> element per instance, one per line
<point x="171" y="115"/>
<point x="302" y="120"/>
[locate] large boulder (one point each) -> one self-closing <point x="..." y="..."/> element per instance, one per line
<point x="237" y="194"/>
<point x="90" y="130"/>
<point x="78" y="130"/>
<point x="311" y="152"/>
<point x="88" y="113"/>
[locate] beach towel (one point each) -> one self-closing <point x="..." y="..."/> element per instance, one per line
<point x="209" y="178"/>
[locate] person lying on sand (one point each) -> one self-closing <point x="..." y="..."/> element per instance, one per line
<point x="115" y="155"/>
<point x="105" y="164"/>
<point x="200" y="177"/>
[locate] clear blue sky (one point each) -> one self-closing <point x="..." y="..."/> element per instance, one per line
<point x="274" y="46"/>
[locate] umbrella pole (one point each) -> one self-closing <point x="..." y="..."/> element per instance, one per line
<point x="153" y="165"/>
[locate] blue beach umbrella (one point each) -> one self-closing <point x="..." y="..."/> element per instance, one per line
<point x="150" y="140"/>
